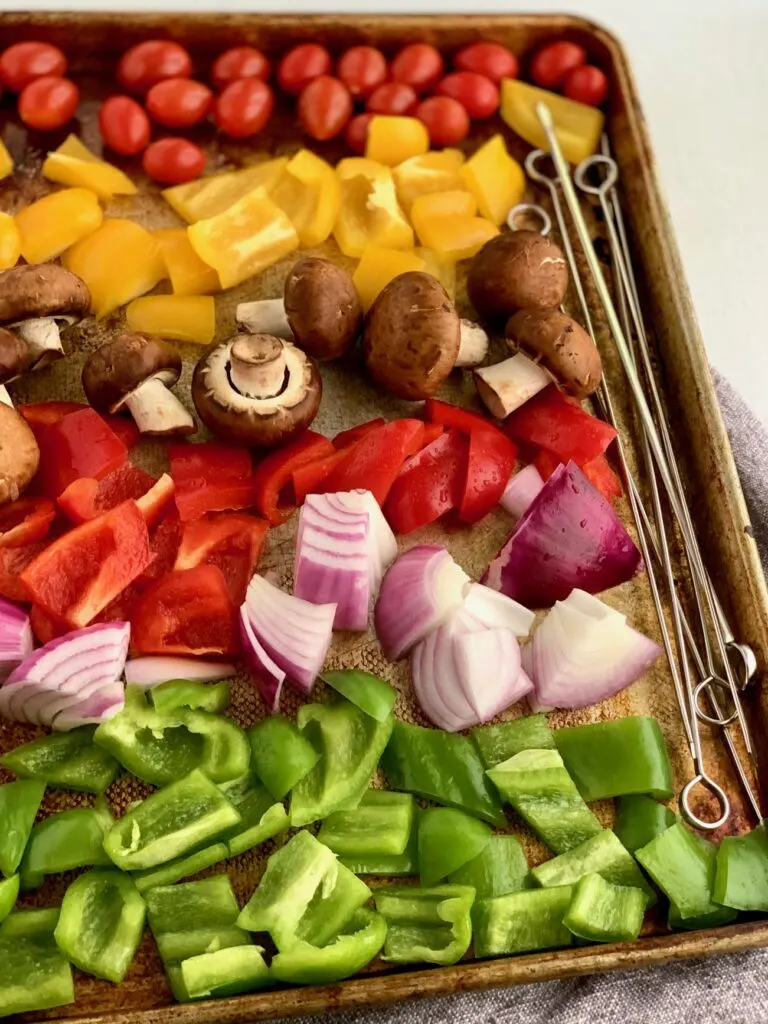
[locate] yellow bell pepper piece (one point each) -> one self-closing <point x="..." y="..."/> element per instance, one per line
<point x="56" y="222"/>
<point x="446" y="222"/>
<point x="188" y="274"/>
<point x="394" y="139"/>
<point x="432" y="172"/>
<point x="495" y="179"/>
<point x="208" y="197"/>
<point x="10" y="242"/>
<point x="244" y="239"/>
<point x="578" y="126"/>
<point x="72" y="146"/>
<point x="308" y="192"/>
<point x="178" y="317"/>
<point x="6" y="161"/>
<point x="100" y="177"/>
<point x="369" y="211"/>
<point x="442" y="204"/>
<point x="118" y="262"/>
<point x="379" y="266"/>
<point x="443" y="270"/>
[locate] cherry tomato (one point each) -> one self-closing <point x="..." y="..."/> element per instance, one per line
<point x="301" y="64"/>
<point x="491" y="59"/>
<point x="550" y="65"/>
<point x="586" y="84"/>
<point x="392" y="98"/>
<point x="476" y="93"/>
<point x="446" y="120"/>
<point x="244" y="107"/>
<point x="362" y="69"/>
<point x="124" y="125"/>
<point x="325" y="106"/>
<point x="22" y="63"/>
<point x="173" y="161"/>
<point x="239" y="62"/>
<point x="48" y="103"/>
<point x="148" y="63"/>
<point x="419" y="65"/>
<point x="356" y="135"/>
<point x="179" y="102"/>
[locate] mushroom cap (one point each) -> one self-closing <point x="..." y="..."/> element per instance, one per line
<point x="517" y="270"/>
<point x="412" y="336"/>
<point x="256" y="422"/>
<point x="15" y="356"/>
<point x="322" y="307"/>
<point x="563" y="346"/>
<point x="19" y="454"/>
<point x="120" y="366"/>
<point x="42" y="289"/>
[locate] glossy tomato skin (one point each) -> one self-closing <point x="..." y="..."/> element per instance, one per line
<point x="550" y="66"/>
<point x="124" y="125"/>
<point x="325" y="107"/>
<point x="490" y="59"/>
<point x="393" y="98"/>
<point x="586" y="84"/>
<point x="362" y="69"/>
<point x="150" y="62"/>
<point x="476" y="93"/>
<point x="179" y="102"/>
<point x="356" y="134"/>
<point x="244" y="108"/>
<point x="301" y="65"/>
<point x="22" y="63"/>
<point x="419" y="65"/>
<point x="445" y="119"/>
<point x="173" y="161"/>
<point x="48" y="103"/>
<point x="239" y="62"/>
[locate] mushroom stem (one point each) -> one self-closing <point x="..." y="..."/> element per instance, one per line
<point x="266" y="316"/>
<point x="157" y="410"/>
<point x="473" y="345"/>
<point x="506" y="386"/>
<point x="44" y="339"/>
<point x="257" y="366"/>
<point x="5" y="398"/>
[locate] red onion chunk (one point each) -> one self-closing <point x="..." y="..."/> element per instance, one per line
<point x="569" y="538"/>
<point x="267" y="676"/>
<point x="16" y="641"/>
<point x="153" y="670"/>
<point x="522" y="488"/>
<point x="427" y="694"/>
<point x="441" y="660"/>
<point x="100" y="706"/>
<point x="489" y="667"/>
<point x="497" y="611"/>
<point x="384" y="539"/>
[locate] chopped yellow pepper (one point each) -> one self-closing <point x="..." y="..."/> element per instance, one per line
<point x="56" y="222"/>
<point x="432" y="172"/>
<point x="6" y="161"/>
<point x="369" y="212"/>
<point x="379" y="266"/>
<point x="393" y="139"/>
<point x="495" y="179"/>
<point x="443" y="204"/>
<point x="446" y="222"/>
<point x="578" y="126"/>
<point x="443" y="270"/>
<point x="308" y="192"/>
<point x="118" y="262"/>
<point x="244" y="239"/>
<point x="74" y="164"/>
<point x="188" y="274"/>
<point x="207" y="197"/>
<point x="178" y="317"/>
<point x="72" y="146"/>
<point x="10" y="242"/>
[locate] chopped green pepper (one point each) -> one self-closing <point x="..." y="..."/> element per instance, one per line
<point x="497" y="743"/>
<point x="602" y="854"/>
<point x="380" y="826"/>
<point x="35" y="976"/>
<point x="350" y="743"/>
<point x="542" y="792"/>
<point x="19" y="804"/>
<point x="405" y="863"/>
<point x="448" y="839"/>
<point x="522" y="922"/>
<point x="66" y="759"/>
<point x="23" y="924"/>
<point x="170" y="823"/>
<point x="441" y="766"/>
<point x="67" y="840"/>
<point x="101" y="924"/>
<point x="432" y="926"/>
<point x="375" y="696"/>
<point x="305" y="894"/>
<point x="714" y="919"/>
<point x="639" y="819"/>
<point x="194" y="918"/>
<point x="185" y="693"/>
<point x="182" y="867"/>
<point x="602" y="912"/>
<point x="627" y="755"/>
<point x="9" y="893"/>
<point x="280" y="755"/>
<point x="361" y="939"/>
<point x="499" y="869"/>
<point x="741" y="878"/>
<point x="227" y="972"/>
<point x="260" y="817"/>
<point x="683" y="867"/>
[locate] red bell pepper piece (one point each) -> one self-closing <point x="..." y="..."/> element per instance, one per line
<point x="87" y="498"/>
<point x="546" y="463"/>
<point x="215" y="498"/>
<point x="44" y="414"/>
<point x="189" y="613"/>
<point x="46" y="627"/>
<point x="80" y="444"/>
<point x="430" y="483"/>
<point x="375" y="461"/>
<point x="454" y="416"/>
<point x="155" y="501"/>
<point x="354" y="434"/>
<point x="275" y="471"/>
<point x="164" y="540"/>
<point x="550" y="421"/>
<point x="13" y="562"/>
<point x="25" y="521"/>
<point x="431" y="432"/>
<point x="210" y="477"/>
<point x="231" y="542"/>
<point x="81" y="572"/>
<point x="124" y="427"/>
<point x="416" y="441"/>
<point x="598" y="472"/>
<point x="307" y="479"/>
<point x="122" y="608"/>
<point x="490" y="462"/>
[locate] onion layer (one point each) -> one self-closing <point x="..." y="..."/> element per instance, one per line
<point x="522" y="488"/>
<point x="16" y="642"/>
<point x="153" y="670"/>
<point x="497" y="611"/>
<point x="267" y="676"/>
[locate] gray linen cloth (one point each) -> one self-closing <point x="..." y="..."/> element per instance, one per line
<point x="725" y="988"/>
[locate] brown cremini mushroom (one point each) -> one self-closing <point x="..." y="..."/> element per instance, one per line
<point x="15" y="359"/>
<point x="135" y="372"/>
<point x="37" y="302"/>
<point x="517" y="270"/>
<point x="19" y="454"/>
<point x="562" y="345"/>
<point x="256" y="390"/>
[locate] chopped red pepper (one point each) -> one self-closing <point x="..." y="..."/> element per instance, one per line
<point x="430" y="484"/>
<point x="598" y="472"/>
<point x="78" y="445"/>
<point x="354" y="434"/>
<point x="77" y="576"/>
<point x="550" y="421"/>
<point x="454" y="416"/>
<point x="490" y="462"/>
<point x="45" y="414"/>
<point x="373" y="463"/>
<point x="164" y="540"/>
<point x="25" y="521"/>
<point x="210" y="477"/>
<point x="87" y="498"/>
<point x="124" y="427"/>
<point x="46" y="627"/>
<point x="274" y="472"/>
<point x="546" y="463"/>
<point x="13" y="562"/>
<point x="122" y="608"/>
<point x="416" y="442"/>
<point x="431" y="432"/>
<point x="231" y="542"/>
<point x="156" y="499"/>
<point x="215" y="498"/>
<point x="307" y="479"/>
<point x="189" y="613"/>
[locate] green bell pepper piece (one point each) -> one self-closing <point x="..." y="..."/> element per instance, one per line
<point x="227" y="972"/>
<point x="350" y="743"/>
<point x="68" y="760"/>
<point x="260" y="817"/>
<point x="639" y="819"/>
<point x="359" y="942"/>
<point x="497" y="743"/>
<point x="170" y="823"/>
<point x="185" y="693"/>
<point x="9" y="893"/>
<point x="381" y="825"/>
<point x="305" y="894"/>
<point x="522" y="922"/>
<point x="24" y="924"/>
<point x="35" y="976"/>
<point x="375" y="696"/>
<point x="716" y="918"/>
<point x="683" y="866"/>
<point x="499" y="869"/>
<point x="741" y="871"/>
<point x="432" y="926"/>
<point x="280" y="755"/>
<point x="101" y="924"/>
<point x="194" y="918"/>
<point x="405" y="863"/>
<point x="542" y="792"/>
<point x="67" y="840"/>
<point x="448" y="839"/>
<point x="441" y="766"/>
<point x="182" y="867"/>
<point x="602" y="854"/>
<point x="603" y="912"/>
<point x="19" y="804"/>
<point x="627" y="755"/>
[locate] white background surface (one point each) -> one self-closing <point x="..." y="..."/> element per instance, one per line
<point x="702" y="68"/>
